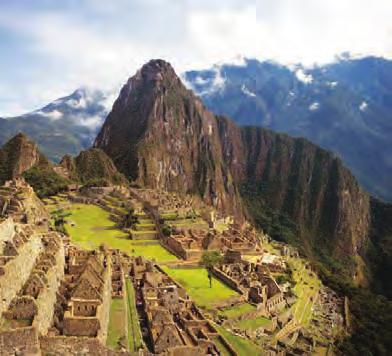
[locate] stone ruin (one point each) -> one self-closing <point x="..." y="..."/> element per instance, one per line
<point x="253" y="281"/>
<point x="173" y="324"/>
<point x="54" y="298"/>
<point x="189" y="244"/>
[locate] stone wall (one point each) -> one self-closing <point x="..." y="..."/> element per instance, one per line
<point x="7" y="231"/>
<point x="81" y="326"/>
<point x="47" y="298"/>
<point x="75" y="346"/>
<point x="22" y="341"/>
<point x="175" y="246"/>
<point x="227" y="280"/>
<point x="17" y="271"/>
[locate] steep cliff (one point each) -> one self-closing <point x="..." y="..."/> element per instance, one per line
<point x="293" y="188"/>
<point x="160" y="135"/>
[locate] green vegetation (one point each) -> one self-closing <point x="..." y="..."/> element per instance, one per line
<point x="95" y="168"/>
<point x="277" y="225"/>
<point x="166" y="230"/>
<point x="130" y="219"/>
<point x="58" y="217"/>
<point x="371" y="317"/>
<point x="221" y="346"/>
<point x="90" y="226"/>
<point x="252" y="324"/>
<point x="134" y="334"/>
<point x="237" y="310"/>
<point x="379" y="254"/>
<point x="45" y="181"/>
<point x="117" y="324"/>
<point x="209" y="260"/>
<point x="306" y="289"/>
<point x="241" y="345"/>
<point x="196" y="284"/>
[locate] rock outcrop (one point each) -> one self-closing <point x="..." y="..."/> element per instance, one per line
<point x="20" y="157"/>
<point x="17" y="156"/>
<point x="160" y="135"/>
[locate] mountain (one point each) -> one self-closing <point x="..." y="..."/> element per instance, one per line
<point x="294" y="189"/>
<point x="17" y="156"/>
<point x="161" y="135"/>
<point x="345" y="107"/>
<point x="91" y="166"/>
<point x="65" y="126"/>
<point x="20" y="157"/>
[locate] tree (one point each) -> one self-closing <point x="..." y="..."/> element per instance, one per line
<point x="209" y="260"/>
<point x="166" y="230"/>
<point x="58" y="217"/>
<point x="130" y="220"/>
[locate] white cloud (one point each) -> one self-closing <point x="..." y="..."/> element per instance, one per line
<point x="363" y="106"/>
<point x="100" y="43"/>
<point x="52" y="115"/>
<point x="332" y="84"/>
<point x="303" y="77"/>
<point x="92" y="122"/>
<point x="314" y="106"/>
<point x="77" y="104"/>
<point x="247" y="92"/>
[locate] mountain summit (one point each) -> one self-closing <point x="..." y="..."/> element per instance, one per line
<point x="160" y="135"/>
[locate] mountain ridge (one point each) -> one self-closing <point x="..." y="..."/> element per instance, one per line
<point x="344" y="106"/>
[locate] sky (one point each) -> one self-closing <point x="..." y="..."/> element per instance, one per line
<point x="49" y="48"/>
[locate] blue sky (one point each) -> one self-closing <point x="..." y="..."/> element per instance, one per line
<point x="49" y="48"/>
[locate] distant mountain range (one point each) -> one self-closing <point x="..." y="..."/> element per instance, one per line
<point x="345" y="107"/>
<point x="65" y="126"/>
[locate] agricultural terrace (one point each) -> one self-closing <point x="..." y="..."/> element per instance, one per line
<point x="196" y="283"/>
<point x="306" y="290"/>
<point x="89" y="226"/>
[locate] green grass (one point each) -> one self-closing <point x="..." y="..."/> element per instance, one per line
<point x="196" y="283"/>
<point x="221" y="346"/>
<point x="237" y="310"/>
<point x="199" y="223"/>
<point x="134" y="334"/>
<point x="307" y="286"/>
<point x="242" y="346"/>
<point x="93" y="228"/>
<point x="252" y="324"/>
<point x="117" y="326"/>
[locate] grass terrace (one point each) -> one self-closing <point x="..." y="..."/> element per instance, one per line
<point x="237" y="310"/>
<point x="196" y="283"/>
<point x="241" y="345"/>
<point x="197" y="223"/>
<point x="90" y="226"/>
<point x="306" y="289"/>
<point x="134" y="334"/>
<point x="252" y="324"/>
<point x="117" y="330"/>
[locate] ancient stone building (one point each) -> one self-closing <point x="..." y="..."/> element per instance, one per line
<point x="175" y="325"/>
